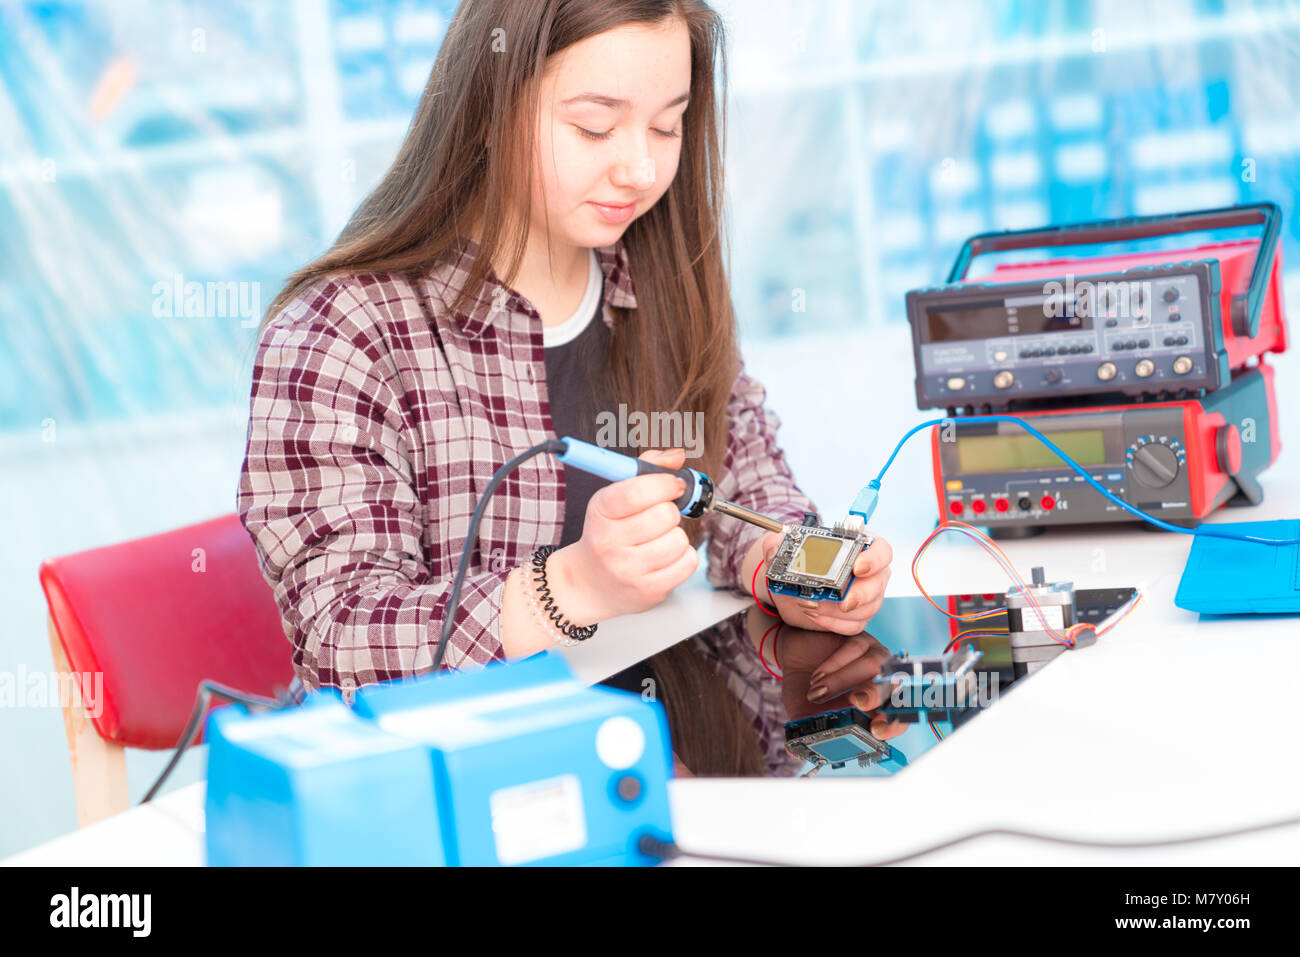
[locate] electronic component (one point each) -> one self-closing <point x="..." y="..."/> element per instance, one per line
<point x="1160" y="325"/>
<point x="816" y="562"/>
<point x="911" y="684"/>
<point x="1032" y="644"/>
<point x="1178" y="461"/>
<point x="838" y="737"/>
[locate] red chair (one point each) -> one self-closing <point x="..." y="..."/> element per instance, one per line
<point x="154" y="617"/>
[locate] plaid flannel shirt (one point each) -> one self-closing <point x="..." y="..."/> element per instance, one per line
<point x="377" y="418"/>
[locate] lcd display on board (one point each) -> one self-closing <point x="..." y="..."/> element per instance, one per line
<point x="816" y="556"/>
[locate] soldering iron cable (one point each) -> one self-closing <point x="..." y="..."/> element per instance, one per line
<point x="554" y="446"/>
<point x="208" y="690"/>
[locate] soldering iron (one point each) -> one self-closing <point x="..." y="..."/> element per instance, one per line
<point x="698" y="498"/>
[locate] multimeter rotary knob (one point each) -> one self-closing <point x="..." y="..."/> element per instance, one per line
<point x="1154" y="464"/>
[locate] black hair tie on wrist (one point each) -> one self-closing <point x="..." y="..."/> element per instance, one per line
<point x="566" y="627"/>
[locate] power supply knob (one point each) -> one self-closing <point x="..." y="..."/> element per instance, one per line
<point x="1106" y="371"/>
<point x="1145" y="368"/>
<point x="1154" y="465"/>
<point x="1003" y="380"/>
<point x="1227" y="447"/>
<point x="1182" y="365"/>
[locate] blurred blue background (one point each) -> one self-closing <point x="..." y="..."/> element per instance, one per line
<point x="147" y="146"/>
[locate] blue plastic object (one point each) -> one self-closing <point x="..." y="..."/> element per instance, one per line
<point x="1227" y="576"/>
<point x="868" y="498"/>
<point x="616" y="466"/>
<point x="516" y="763"/>
<point x="314" y="785"/>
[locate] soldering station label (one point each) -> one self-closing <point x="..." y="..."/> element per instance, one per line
<point x="539" y="819"/>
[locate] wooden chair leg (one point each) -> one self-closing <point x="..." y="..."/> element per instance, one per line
<point x="98" y="766"/>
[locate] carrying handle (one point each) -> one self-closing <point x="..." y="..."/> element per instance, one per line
<point x="1245" y="306"/>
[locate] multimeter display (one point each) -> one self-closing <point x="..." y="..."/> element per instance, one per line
<point x="995" y="453"/>
<point x="817" y="556"/>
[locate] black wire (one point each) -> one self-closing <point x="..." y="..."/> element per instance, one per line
<point x="654" y="847"/>
<point x="205" y="692"/>
<point x="453" y="602"/>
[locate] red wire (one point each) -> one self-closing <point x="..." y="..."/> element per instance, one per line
<point x="753" y="590"/>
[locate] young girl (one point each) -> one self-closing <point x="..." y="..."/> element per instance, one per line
<point x="545" y="247"/>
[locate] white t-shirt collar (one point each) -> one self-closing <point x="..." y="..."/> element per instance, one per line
<point x="572" y="327"/>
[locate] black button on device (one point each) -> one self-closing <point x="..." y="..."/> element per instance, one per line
<point x="1130" y="344"/>
<point x="1181" y="341"/>
<point x="1088" y="347"/>
<point x="628" y="788"/>
<point x="1169" y="340"/>
<point x="1049" y="352"/>
<point x="1143" y="343"/>
<point x="1024" y="353"/>
<point x="1174" y="316"/>
<point x="1112" y="323"/>
<point x="1053" y="376"/>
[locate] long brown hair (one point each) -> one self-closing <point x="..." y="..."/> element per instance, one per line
<point x="466" y="163"/>
<point x="466" y="160"/>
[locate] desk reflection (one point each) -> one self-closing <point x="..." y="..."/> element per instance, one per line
<point x="730" y="689"/>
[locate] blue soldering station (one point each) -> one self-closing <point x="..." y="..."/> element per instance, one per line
<point x="511" y="764"/>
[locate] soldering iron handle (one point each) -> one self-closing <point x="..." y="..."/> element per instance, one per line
<point x="615" y="466"/>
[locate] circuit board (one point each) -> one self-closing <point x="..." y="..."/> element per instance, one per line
<point x="837" y="737"/>
<point x="815" y="562"/>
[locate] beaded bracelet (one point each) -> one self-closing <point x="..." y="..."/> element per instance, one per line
<point x="544" y="604"/>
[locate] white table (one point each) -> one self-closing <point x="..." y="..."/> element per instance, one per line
<point x="1168" y="726"/>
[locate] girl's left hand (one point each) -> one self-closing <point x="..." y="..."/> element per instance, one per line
<point x="847" y="617"/>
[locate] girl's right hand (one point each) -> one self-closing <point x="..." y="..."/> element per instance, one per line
<point x="633" y="550"/>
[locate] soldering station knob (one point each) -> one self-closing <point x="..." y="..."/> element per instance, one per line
<point x="628" y="788"/>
